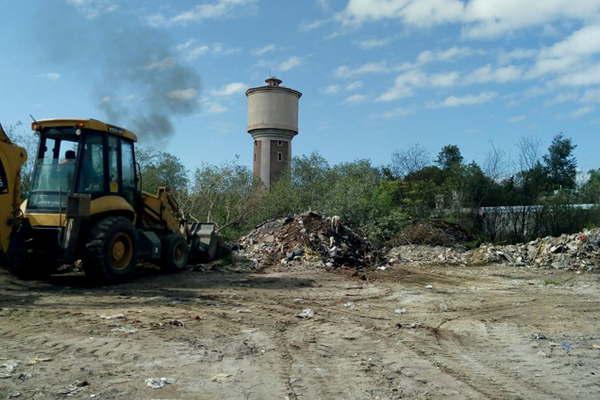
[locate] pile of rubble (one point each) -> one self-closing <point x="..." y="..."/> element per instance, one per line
<point x="307" y="237"/>
<point x="427" y="255"/>
<point x="580" y="251"/>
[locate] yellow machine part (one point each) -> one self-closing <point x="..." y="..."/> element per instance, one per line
<point x="101" y="205"/>
<point x="12" y="158"/>
<point x="162" y="209"/>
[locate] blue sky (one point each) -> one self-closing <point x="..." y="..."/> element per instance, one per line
<point x="376" y="75"/>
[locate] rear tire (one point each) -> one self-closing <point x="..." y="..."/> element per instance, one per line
<point x="110" y="253"/>
<point x="175" y="253"/>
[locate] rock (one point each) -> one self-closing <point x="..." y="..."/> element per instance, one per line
<point x="307" y="313"/>
<point x="159" y="383"/>
<point x="221" y="378"/>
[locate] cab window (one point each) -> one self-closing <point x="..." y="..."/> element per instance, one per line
<point x="128" y="170"/>
<point x="113" y="164"/>
<point x="91" y="177"/>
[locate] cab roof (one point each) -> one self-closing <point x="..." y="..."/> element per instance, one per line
<point x="92" y="124"/>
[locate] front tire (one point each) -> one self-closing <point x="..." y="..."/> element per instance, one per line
<point x="175" y="253"/>
<point x="110" y="253"/>
<point x="25" y="264"/>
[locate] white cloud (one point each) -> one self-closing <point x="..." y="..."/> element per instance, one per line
<point x="406" y="82"/>
<point x="160" y="65"/>
<point x="344" y="71"/>
<point x="290" y="63"/>
<point x="580" y="112"/>
<point x="397" y="112"/>
<point x="585" y="76"/>
<point x="209" y="10"/>
<point x="467" y="100"/>
<point x="191" y="49"/>
<point x="312" y="25"/>
<point x="452" y="53"/>
<point x="373" y="43"/>
<point x="517" y="118"/>
<point x="488" y="74"/>
<point x="53" y="76"/>
<point x="94" y="8"/>
<point x="230" y="89"/>
<point x="183" y="94"/>
<point x="591" y="96"/>
<point x="506" y="57"/>
<point x="355" y="99"/>
<point x="211" y="107"/>
<point x="572" y="59"/>
<point x="479" y="18"/>
<point x="331" y="89"/>
<point x="269" y="48"/>
<point x="354" y="86"/>
<point x="562" y="98"/>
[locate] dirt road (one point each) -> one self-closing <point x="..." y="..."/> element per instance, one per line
<point x="474" y="333"/>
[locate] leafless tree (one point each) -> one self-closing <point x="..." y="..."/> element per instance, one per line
<point x="409" y="160"/>
<point x="529" y="152"/>
<point x="495" y="163"/>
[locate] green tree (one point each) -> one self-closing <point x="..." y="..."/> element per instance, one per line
<point x="560" y="163"/>
<point x="449" y="157"/>
<point x="160" y="168"/>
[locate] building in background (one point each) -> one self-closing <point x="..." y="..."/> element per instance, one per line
<point x="273" y="123"/>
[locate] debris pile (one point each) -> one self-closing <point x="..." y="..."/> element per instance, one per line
<point x="580" y="251"/>
<point x="306" y="237"/>
<point x="427" y="255"/>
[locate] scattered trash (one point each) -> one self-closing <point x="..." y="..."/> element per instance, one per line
<point x="539" y="336"/>
<point x="14" y="395"/>
<point x="111" y="317"/>
<point x="176" y="322"/>
<point x="221" y="378"/>
<point x="310" y="237"/>
<point x="159" y="383"/>
<point x="429" y="286"/>
<point x="400" y="311"/>
<point x="306" y="313"/>
<point x="596" y="346"/>
<point x="350" y="305"/>
<point x="7" y="369"/>
<point x="37" y="360"/>
<point x="566" y="346"/>
<point x="125" y="330"/>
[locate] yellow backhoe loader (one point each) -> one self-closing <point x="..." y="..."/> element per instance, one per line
<point x="86" y="205"/>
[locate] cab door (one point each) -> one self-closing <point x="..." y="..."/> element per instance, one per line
<point x="12" y="158"/>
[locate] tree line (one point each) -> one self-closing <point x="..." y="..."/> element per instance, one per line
<point x="379" y="201"/>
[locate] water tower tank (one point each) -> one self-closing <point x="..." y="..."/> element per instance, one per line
<point x="272" y="122"/>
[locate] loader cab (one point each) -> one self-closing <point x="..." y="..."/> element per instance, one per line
<point x="81" y="158"/>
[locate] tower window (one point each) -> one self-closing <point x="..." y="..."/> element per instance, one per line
<point x="279" y="156"/>
<point x="279" y="143"/>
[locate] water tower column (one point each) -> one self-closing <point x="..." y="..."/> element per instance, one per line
<point x="273" y="123"/>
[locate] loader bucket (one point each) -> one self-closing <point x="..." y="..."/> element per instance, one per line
<point x="204" y="243"/>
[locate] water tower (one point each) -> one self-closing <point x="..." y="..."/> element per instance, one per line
<point x="273" y="123"/>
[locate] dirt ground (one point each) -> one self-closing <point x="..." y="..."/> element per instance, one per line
<point x="486" y="332"/>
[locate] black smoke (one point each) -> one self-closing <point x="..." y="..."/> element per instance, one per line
<point x="132" y="70"/>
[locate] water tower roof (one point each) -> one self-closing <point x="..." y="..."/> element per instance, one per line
<point x="273" y="83"/>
